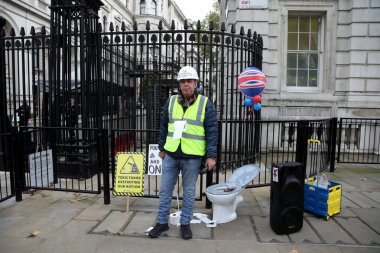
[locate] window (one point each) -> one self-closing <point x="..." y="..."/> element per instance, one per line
<point x="142" y="7"/>
<point x="153" y="5"/>
<point x="304" y="51"/>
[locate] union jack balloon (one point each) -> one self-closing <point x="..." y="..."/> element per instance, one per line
<point x="251" y="82"/>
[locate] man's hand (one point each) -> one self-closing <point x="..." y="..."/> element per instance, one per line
<point x="210" y="163"/>
<point x="162" y="154"/>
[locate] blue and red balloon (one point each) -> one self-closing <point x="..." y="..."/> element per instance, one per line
<point x="248" y="102"/>
<point x="252" y="82"/>
<point x="257" y="107"/>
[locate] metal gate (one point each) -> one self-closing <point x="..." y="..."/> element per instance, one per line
<point x="84" y="94"/>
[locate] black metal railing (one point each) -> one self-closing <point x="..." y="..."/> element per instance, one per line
<point x="7" y="181"/>
<point x="85" y="94"/>
<point x="278" y="142"/>
<point x="359" y="140"/>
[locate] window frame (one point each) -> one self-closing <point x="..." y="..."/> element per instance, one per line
<point x="153" y="7"/>
<point x="142" y="7"/>
<point x="320" y="51"/>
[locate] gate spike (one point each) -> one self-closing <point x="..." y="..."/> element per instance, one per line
<point x="22" y="31"/>
<point x="242" y="30"/>
<point x="135" y="27"/>
<point x="173" y="25"/>
<point x="249" y="34"/>
<point x="111" y="27"/>
<point x="43" y="30"/>
<point x="12" y="33"/>
<point x="147" y="25"/>
<point x="255" y="35"/>
<point x="160" y="26"/>
<point x="211" y="25"/>
<point x="2" y="32"/>
<point x="199" y="25"/>
<point x="185" y="26"/>
<point x="99" y="28"/>
<point x="223" y="27"/>
<point x="260" y="40"/>
<point x="233" y="29"/>
<point x="32" y="31"/>
<point x="123" y="26"/>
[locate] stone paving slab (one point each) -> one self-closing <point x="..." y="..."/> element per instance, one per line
<point x="346" y="212"/>
<point x="373" y="195"/>
<point x="46" y="221"/>
<point x="239" y="229"/>
<point x="350" y="249"/>
<point x="201" y="231"/>
<point x="139" y="223"/>
<point x="305" y="235"/>
<point x="262" y="195"/>
<point x="360" y="231"/>
<point x="113" y="222"/>
<point x="97" y="211"/>
<point x="245" y="247"/>
<point x="370" y="216"/>
<point x="265" y="233"/>
<point x="348" y="203"/>
<point x="361" y="200"/>
<point x="73" y="238"/>
<point x="330" y="231"/>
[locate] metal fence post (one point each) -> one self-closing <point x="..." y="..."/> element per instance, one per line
<point x="3" y="94"/>
<point x="18" y="162"/>
<point x="301" y="145"/>
<point x="332" y="142"/>
<point x="103" y="149"/>
<point x="257" y="134"/>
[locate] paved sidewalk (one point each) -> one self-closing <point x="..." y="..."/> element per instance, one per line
<point x="67" y="222"/>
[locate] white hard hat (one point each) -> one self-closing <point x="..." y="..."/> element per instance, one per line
<point x="187" y="72"/>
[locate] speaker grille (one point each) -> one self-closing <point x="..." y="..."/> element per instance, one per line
<point x="292" y="191"/>
<point x="291" y="219"/>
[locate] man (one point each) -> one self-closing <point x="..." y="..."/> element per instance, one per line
<point x="189" y="131"/>
<point x="71" y="118"/>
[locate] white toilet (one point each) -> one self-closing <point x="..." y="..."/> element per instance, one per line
<point x="225" y="196"/>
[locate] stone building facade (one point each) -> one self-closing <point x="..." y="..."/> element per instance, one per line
<point x="321" y="57"/>
<point x="27" y="13"/>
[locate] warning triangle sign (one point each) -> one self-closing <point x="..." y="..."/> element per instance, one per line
<point x="129" y="167"/>
<point x="151" y="155"/>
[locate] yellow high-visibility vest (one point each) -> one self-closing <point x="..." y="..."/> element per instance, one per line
<point x="193" y="140"/>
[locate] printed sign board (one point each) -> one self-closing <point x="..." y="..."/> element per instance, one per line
<point x="154" y="160"/>
<point x="253" y="4"/>
<point x="41" y="168"/>
<point x="275" y="174"/>
<point x="129" y="176"/>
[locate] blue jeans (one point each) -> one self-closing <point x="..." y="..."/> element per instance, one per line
<point x="171" y="167"/>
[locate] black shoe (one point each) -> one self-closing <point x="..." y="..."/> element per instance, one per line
<point x="186" y="233"/>
<point x="158" y="229"/>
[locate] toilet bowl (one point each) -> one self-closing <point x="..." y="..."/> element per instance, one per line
<point x="226" y="196"/>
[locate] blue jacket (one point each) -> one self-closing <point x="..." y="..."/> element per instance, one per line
<point x="211" y="128"/>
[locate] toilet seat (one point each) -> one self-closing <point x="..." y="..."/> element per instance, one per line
<point x="219" y="189"/>
<point x="240" y="178"/>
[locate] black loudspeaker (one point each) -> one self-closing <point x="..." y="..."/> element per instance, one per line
<point x="286" y="197"/>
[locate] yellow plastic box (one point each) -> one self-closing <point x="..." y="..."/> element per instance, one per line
<point x="323" y="201"/>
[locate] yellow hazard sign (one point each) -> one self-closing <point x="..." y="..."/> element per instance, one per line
<point x="129" y="176"/>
